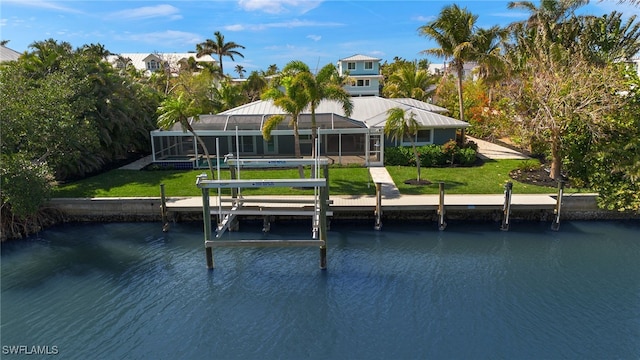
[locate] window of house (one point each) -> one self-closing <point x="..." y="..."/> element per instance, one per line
<point x="423" y="137"/>
<point x="368" y="65"/>
<point x="360" y="82"/>
<point x="153" y="65"/>
<point x="247" y="144"/>
<point x="353" y="83"/>
<point x="367" y="82"/>
<point x="351" y="66"/>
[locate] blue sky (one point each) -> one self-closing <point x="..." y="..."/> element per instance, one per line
<point x="273" y="31"/>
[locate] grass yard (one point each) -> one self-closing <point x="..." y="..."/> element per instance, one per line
<point x="486" y="179"/>
<point x="130" y="183"/>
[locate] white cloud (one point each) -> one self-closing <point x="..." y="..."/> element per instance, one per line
<point x="279" y="6"/>
<point x="48" y="5"/>
<point x="314" y="37"/>
<point x="168" y="37"/>
<point x="148" y="12"/>
<point x="422" y="18"/>
<point x="287" y="24"/>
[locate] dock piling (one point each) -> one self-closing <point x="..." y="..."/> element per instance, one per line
<point x="506" y="209"/>
<point x="163" y="209"/>
<point x="378" y="212"/>
<point x="441" y="211"/>
<point x="555" y="226"/>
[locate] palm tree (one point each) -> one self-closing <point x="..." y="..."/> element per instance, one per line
<point x="218" y="46"/>
<point x="178" y="110"/>
<point x="239" y="69"/>
<point x="491" y="64"/>
<point x="293" y="100"/>
<point x="325" y="85"/>
<point x="546" y="17"/>
<point x="409" y="81"/>
<point x="454" y="31"/>
<point x="398" y="127"/>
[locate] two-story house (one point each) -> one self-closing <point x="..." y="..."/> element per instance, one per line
<point x="152" y="62"/>
<point x="363" y="75"/>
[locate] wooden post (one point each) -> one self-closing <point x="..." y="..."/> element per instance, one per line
<point x="506" y="209"/>
<point x="378" y="213"/>
<point x="556" y="221"/>
<point x="163" y="209"/>
<point x="324" y="203"/>
<point x="206" y="218"/>
<point x="441" y="211"/>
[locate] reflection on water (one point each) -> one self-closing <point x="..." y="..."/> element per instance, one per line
<point x="131" y="291"/>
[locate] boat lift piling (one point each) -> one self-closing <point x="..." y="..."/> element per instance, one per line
<point x="555" y="226"/>
<point x="506" y="209"/>
<point x="239" y="206"/>
<point x="441" y="211"/>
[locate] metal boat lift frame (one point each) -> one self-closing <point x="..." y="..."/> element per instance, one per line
<point x="319" y="213"/>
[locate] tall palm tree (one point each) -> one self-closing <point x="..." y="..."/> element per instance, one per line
<point x="218" y="46"/>
<point x="410" y="81"/>
<point x="325" y="85"/>
<point x="291" y="98"/>
<point x="178" y="110"/>
<point x="239" y="69"/>
<point x="454" y="31"/>
<point x="489" y="55"/>
<point x="398" y="127"/>
<point x="546" y="17"/>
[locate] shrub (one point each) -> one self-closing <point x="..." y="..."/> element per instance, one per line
<point x="465" y="156"/>
<point x="398" y="156"/>
<point x="432" y="155"/>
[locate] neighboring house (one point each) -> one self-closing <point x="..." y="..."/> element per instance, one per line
<point x="238" y="130"/>
<point x="440" y="69"/>
<point x="152" y="62"/>
<point x="7" y="54"/>
<point x="363" y="75"/>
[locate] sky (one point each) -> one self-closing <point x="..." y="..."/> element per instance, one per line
<point x="317" y="32"/>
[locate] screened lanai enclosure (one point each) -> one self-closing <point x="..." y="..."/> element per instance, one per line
<point x="342" y="140"/>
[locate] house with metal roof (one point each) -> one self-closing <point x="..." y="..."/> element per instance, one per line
<point x="361" y="135"/>
<point x="7" y="54"/>
<point x="363" y="75"/>
<point x="152" y="62"/>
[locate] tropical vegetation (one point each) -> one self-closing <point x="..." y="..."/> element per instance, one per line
<point x="557" y="84"/>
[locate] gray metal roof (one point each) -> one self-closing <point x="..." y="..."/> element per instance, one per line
<point x="359" y="57"/>
<point x="370" y="110"/>
<point x="7" y="54"/>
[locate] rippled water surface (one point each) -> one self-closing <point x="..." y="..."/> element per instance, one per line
<point x="131" y="291"/>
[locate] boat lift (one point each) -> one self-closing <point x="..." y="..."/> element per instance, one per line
<point x="227" y="217"/>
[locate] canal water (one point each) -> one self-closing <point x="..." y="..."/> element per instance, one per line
<point x="130" y="291"/>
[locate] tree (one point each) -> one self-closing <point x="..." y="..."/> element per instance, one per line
<point x="173" y="111"/>
<point x="220" y="47"/>
<point x="325" y="85"/>
<point x="489" y="57"/>
<point x="254" y="86"/>
<point x="555" y="94"/>
<point x="239" y="69"/>
<point x="410" y="81"/>
<point x="227" y="95"/>
<point x="454" y="31"/>
<point x="399" y="127"/>
<point x="293" y="99"/>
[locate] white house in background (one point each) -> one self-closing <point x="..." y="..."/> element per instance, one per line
<point x="440" y="69"/>
<point x="7" y="54"/>
<point x="635" y="62"/>
<point x="364" y="75"/>
<point x="152" y="62"/>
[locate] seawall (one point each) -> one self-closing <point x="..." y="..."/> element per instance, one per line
<point x="574" y="207"/>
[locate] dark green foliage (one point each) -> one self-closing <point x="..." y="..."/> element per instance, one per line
<point x="430" y="156"/>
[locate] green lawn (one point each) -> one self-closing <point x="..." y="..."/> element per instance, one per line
<point x="129" y="183"/>
<point x="486" y="179"/>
